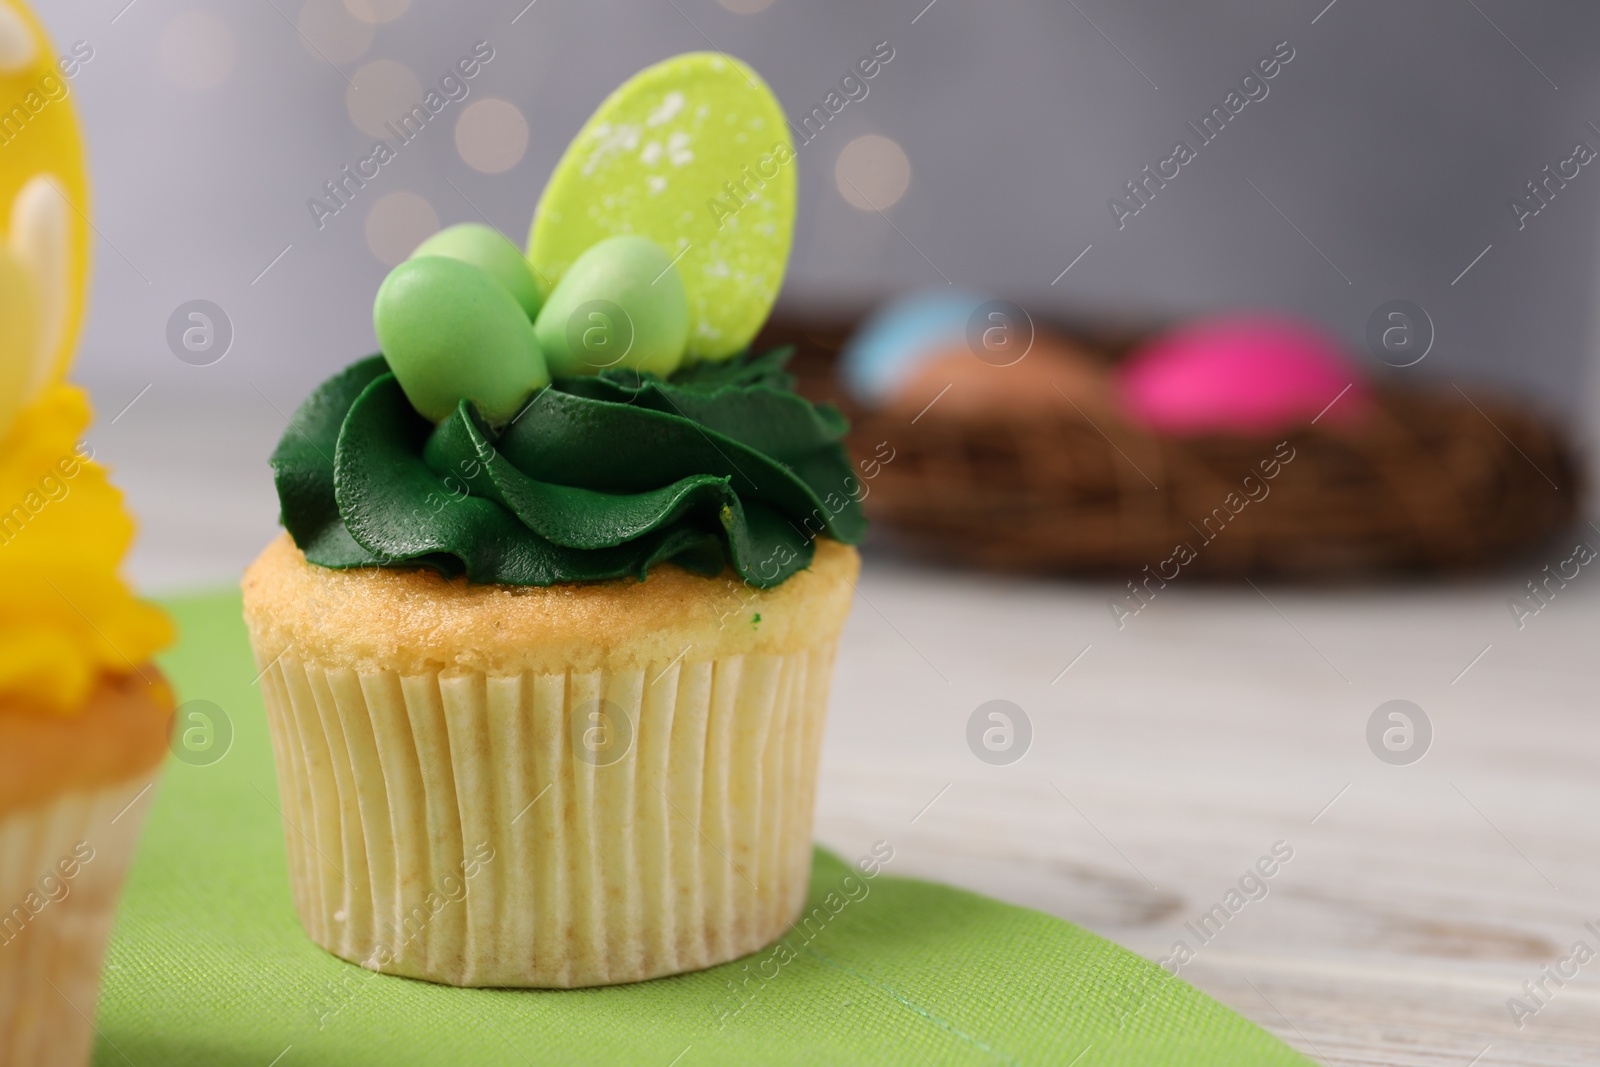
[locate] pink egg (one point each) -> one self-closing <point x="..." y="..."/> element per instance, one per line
<point x="1241" y="374"/>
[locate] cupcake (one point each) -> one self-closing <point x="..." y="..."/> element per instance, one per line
<point x="84" y="716"/>
<point x="548" y="640"/>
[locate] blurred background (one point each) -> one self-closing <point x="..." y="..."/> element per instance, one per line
<point x="1379" y="166"/>
<point x="1168" y="751"/>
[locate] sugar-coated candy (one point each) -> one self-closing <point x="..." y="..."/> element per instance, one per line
<point x="622" y="304"/>
<point x="488" y="250"/>
<point x="451" y="332"/>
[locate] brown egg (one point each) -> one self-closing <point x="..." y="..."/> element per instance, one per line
<point x="1055" y="377"/>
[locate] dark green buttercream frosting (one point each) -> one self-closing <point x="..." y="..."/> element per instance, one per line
<point x="598" y="477"/>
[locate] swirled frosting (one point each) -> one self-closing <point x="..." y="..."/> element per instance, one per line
<point x="723" y="466"/>
<point x="66" y="618"/>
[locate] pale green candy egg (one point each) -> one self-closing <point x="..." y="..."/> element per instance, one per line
<point x="695" y="154"/>
<point x="488" y="250"/>
<point x="450" y="333"/>
<point x="621" y="304"/>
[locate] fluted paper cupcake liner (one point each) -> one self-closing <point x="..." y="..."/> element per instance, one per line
<point x="549" y="829"/>
<point x="62" y="866"/>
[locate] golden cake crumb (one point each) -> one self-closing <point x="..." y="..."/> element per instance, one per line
<point x="413" y="621"/>
<point x="122" y="730"/>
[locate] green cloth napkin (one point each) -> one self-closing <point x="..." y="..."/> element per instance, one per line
<point x="209" y="966"/>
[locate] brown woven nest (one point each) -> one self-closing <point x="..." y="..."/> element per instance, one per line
<point x="1433" y="479"/>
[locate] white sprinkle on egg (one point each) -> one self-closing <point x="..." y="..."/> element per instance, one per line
<point x="670" y="106"/>
<point x="678" y="149"/>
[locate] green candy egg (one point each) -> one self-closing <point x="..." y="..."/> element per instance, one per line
<point x="622" y="303"/>
<point x="695" y="154"/>
<point x="488" y="250"/>
<point x="450" y="333"/>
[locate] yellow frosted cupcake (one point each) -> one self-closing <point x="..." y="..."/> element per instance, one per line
<point x="548" y="643"/>
<point x="84" y="716"/>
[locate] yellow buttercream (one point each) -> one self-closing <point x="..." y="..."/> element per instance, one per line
<point x="66" y="618"/>
<point x="65" y="615"/>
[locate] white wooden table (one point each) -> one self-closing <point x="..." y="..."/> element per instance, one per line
<point x="1167" y="760"/>
<point x="1177" y="751"/>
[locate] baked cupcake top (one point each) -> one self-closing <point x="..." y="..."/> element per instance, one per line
<point x="590" y="409"/>
<point x="66" y="618"/>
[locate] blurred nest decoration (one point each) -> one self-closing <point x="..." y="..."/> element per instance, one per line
<point x="1430" y="479"/>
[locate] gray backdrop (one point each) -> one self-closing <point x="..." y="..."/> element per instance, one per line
<point x="1378" y="166"/>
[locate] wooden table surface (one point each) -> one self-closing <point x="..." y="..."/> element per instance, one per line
<point x="1165" y="762"/>
<point x="1222" y="720"/>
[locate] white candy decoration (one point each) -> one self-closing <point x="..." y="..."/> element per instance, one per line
<point x="19" y="338"/>
<point x="16" y="41"/>
<point x="38" y="237"/>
